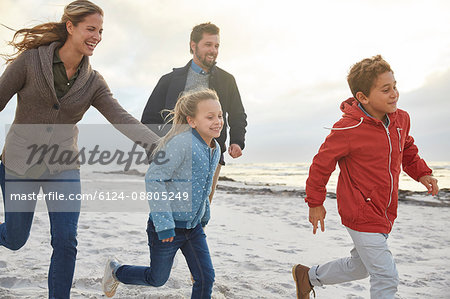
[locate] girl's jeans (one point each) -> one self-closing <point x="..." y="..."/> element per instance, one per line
<point x="192" y="243"/>
<point x="19" y="211"/>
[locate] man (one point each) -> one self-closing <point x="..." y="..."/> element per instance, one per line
<point x="201" y="72"/>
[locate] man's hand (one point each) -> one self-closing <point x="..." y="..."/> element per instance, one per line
<point x="235" y="150"/>
<point x="168" y="240"/>
<point x="315" y="215"/>
<point x="430" y="183"/>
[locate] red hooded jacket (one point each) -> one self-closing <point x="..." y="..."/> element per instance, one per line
<point x="369" y="157"/>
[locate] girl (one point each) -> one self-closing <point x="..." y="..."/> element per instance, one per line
<point x="55" y="84"/>
<point x="177" y="192"/>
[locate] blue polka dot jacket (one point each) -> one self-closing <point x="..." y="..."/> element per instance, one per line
<point x="179" y="185"/>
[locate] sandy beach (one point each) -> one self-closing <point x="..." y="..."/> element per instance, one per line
<point x="255" y="236"/>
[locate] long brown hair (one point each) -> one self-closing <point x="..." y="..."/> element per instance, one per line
<point x="44" y="34"/>
<point x="185" y="106"/>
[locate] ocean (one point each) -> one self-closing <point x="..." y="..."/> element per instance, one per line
<point x="290" y="176"/>
<point x="294" y="175"/>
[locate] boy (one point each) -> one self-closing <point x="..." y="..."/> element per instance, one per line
<point x="370" y="142"/>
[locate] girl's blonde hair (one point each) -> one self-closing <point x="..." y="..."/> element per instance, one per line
<point x="44" y="34"/>
<point x="185" y="106"/>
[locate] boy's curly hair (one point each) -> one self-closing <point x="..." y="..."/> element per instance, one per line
<point x="363" y="74"/>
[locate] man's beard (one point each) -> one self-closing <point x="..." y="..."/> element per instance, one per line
<point x="204" y="61"/>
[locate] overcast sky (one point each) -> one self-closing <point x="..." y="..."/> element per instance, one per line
<point x="290" y="60"/>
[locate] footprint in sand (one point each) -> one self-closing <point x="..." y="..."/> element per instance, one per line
<point x="252" y="256"/>
<point x="353" y="296"/>
<point x="105" y="235"/>
<point x="247" y="286"/>
<point x="3" y="264"/>
<point x="271" y="262"/>
<point x="252" y="266"/>
<point x="222" y="253"/>
<point x="289" y="250"/>
<point x="222" y="289"/>
<point x="12" y="282"/>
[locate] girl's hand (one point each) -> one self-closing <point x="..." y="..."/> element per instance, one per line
<point x="168" y="240"/>
<point x="431" y="184"/>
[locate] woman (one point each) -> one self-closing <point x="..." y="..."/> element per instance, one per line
<point x="55" y="84"/>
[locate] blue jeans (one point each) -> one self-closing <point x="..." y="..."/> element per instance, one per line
<point x="192" y="243"/>
<point x="63" y="215"/>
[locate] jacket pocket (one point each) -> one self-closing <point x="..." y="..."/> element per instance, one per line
<point x="349" y="204"/>
<point x="374" y="206"/>
<point x="369" y="212"/>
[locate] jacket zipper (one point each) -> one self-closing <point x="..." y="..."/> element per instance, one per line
<point x="390" y="174"/>
<point x="399" y="138"/>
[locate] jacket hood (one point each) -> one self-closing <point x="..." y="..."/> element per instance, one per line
<point x="352" y="110"/>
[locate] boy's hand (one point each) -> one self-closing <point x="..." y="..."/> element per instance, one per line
<point x="315" y="215"/>
<point x="431" y="184"/>
<point x="168" y="240"/>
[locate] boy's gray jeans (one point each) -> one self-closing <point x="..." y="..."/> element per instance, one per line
<point x="370" y="257"/>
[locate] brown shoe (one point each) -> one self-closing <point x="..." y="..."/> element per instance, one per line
<point x="301" y="277"/>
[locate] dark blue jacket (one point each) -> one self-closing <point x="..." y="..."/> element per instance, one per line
<point x="171" y="85"/>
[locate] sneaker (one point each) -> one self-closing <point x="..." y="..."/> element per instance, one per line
<point x="302" y="283"/>
<point x="109" y="282"/>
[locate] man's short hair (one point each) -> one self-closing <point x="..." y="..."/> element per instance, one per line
<point x="363" y="74"/>
<point x="197" y="32"/>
